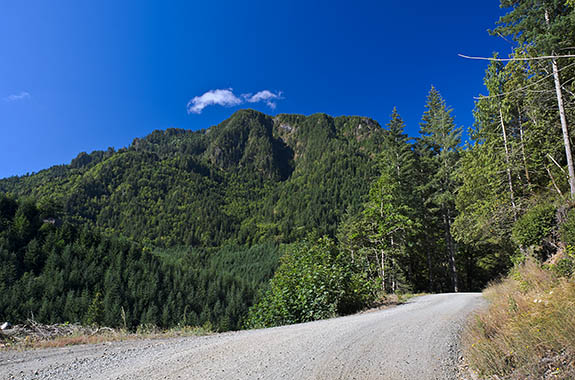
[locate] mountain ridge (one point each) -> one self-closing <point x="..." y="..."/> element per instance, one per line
<point x="251" y="178"/>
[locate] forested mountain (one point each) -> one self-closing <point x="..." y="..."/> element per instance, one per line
<point x="187" y="227"/>
<point x="252" y="178"/>
<point x="181" y="226"/>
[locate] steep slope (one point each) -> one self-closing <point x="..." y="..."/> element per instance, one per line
<point x="251" y="178"/>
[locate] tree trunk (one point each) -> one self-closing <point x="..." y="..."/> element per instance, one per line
<point x="564" y="126"/>
<point x="393" y="276"/>
<point x="554" y="183"/>
<point x="429" y="269"/>
<point x="526" y="168"/>
<point x="383" y="269"/>
<point x="392" y="269"/>
<point x="508" y="164"/>
<point x="450" y="251"/>
<point x="470" y="266"/>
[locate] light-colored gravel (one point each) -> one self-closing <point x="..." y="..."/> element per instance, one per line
<point x="418" y="340"/>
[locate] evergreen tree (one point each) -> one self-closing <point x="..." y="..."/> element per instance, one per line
<point x="382" y="234"/>
<point x="439" y="147"/>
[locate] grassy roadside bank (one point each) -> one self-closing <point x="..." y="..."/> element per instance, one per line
<point x="528" y="330"/>
<point x="52" y="336"/>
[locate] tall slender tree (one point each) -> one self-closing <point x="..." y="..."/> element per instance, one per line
<point x="385" y="228"/>
<point x="440" y="140"/>
<point x="399" y="160"/>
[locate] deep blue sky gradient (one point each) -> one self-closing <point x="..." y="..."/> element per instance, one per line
<point x="100" y="73"/>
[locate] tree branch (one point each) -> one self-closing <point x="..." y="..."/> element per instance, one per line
<point x="518" y="59"/>
<point x="524" y="87"/>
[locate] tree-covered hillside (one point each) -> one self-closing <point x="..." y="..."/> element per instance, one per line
<point x="181" y="226"/>
<point x="252" y="178"/>
<point x="58" y="271"/>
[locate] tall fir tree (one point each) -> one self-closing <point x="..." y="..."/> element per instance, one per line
<point x="439" y="147"/>
<point x="398" y="159"/>
<point x="383" y="234"/>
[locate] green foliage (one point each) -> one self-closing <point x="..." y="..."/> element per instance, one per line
<point x="534" y="226"/>
<point x="114" y="222"/>
<point x="512" y="199"/>
<point x="382" y="235"/>
<point x="567" y="229"/>
<point x="565" y="267"/>
<point x="526" y="23"/>
<point x="250" y="179"/>
<point x="439" y="150"/>
<point x="517" y="157"/>
<point x="95" y="313"/>
<point x="314" y="281"/>
<point x="63" y="273"/>
<point x="183" y="227"/>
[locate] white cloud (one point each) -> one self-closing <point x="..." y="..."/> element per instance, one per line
<point x="17" y="97"/>
<point x="263" y="96"/>
<point x="220" y="97"/>
<point x="226" y="98"/>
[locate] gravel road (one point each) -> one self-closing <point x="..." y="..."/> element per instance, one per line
<point x="418" y="340"/>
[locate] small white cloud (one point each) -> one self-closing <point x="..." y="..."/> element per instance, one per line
<point x="263" y="96"/>
<point x="222" y="97"/>
<point x="226" y="98"/>
<point x="17" y="97"/>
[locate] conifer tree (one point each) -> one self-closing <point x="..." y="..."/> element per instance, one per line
<point x="398" y="159"/>
<point x="440" y="151"/>
<point x="382" y="234"/>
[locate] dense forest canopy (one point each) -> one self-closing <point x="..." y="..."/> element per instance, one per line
<point x="187" y="227"/>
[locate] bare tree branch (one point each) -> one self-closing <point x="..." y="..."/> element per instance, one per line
<point x="518" y="59"/>
<point x="522" y="88"/>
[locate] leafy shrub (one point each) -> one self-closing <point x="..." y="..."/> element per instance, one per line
<point x="314" y="281"/>
<point x="565" y="267"/>
<point x="534" y="226"/>
<point x="567" y="229"/>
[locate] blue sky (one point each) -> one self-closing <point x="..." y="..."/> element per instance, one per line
<point x="85" y="75"/>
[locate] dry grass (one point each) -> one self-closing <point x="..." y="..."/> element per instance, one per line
<point x="64" y="341"/>
<point x="385" y="301"/>
<point x="528" y="331"/>
<point x="107" y="335"/>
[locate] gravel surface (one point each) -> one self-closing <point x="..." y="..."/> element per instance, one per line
<point x="418" y="340"/>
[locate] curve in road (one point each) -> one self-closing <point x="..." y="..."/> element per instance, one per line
<point x="418" y="340"/>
